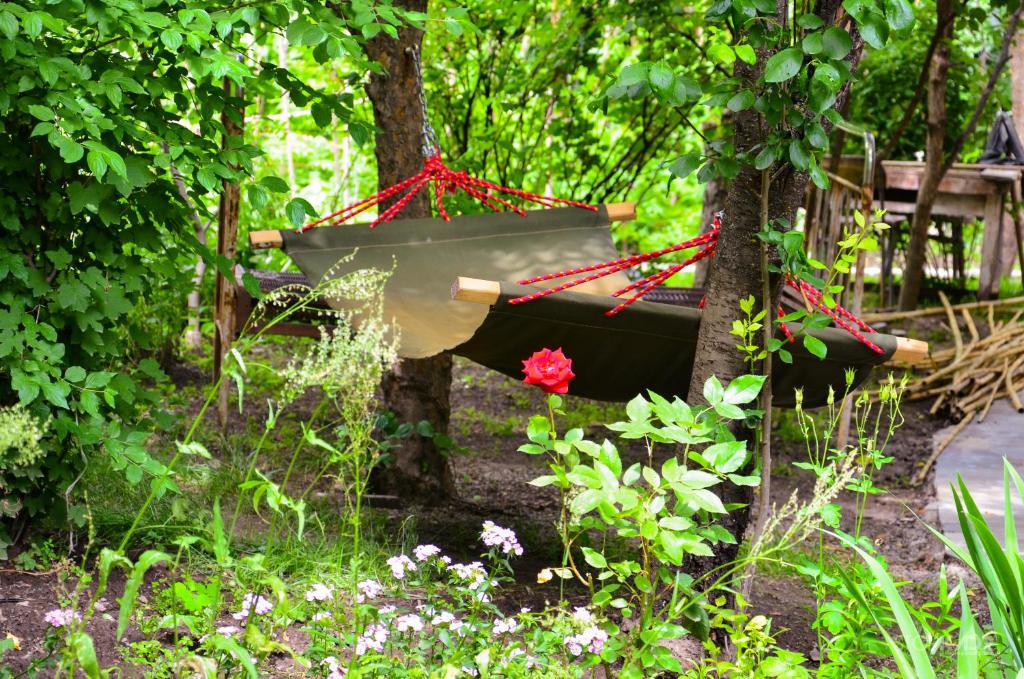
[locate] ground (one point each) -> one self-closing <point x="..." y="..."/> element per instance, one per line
<point x="489" y="418"/>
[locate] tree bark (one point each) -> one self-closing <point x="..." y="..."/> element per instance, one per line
<point x="227" y="247"/>
<point x="938" y="76"/>
<point x="419" y="389"/>
<point x="734" y="275"/>
<point x="1017" y="82"/>
<point x="735" y="271"/>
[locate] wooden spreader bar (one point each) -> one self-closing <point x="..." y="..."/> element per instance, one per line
<point x="271" y="239"/>
<point x="909" y="351"/>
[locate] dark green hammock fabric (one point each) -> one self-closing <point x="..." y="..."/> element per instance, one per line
<point x="648" y="346"/>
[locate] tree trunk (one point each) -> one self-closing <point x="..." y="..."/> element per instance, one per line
<point x="938" y="76"/>
<point x="419" y="389"/>
<point x="1017" y="82"/>
<point x="734" y="275"/>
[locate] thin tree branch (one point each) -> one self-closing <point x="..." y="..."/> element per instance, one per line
<point x="993" y="78"/>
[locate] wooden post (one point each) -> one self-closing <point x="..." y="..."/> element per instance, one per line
<point x="227" y="247"/>
<point x="988" y="276"/>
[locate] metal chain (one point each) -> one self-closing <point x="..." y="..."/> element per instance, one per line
<point x="430" y="144"/>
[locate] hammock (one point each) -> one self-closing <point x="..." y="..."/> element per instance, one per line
<point x="649" y="346"/>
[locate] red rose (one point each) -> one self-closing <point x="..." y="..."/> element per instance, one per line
<point x="549" y="370"/>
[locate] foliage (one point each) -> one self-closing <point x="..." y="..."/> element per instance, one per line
<point x="665" y="512"/>
<point x="99" y="101"/>
<point x="896" y="69"/>
<point x="757" y="654"/>
<point x="913" y="657"/>
<point x="803" y="68"/>
<point x="999" y="566"/>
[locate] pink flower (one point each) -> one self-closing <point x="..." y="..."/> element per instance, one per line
<point x="368" y="589"/>
<point x="372" y="639"/>
<point x="592" y="639"/>
<point x="503" y="626"/>
<point x="62" y="617"/>
<point x="424" y="552"/>
<point x="503" y="538"/>
<point x="253" y="603"/>
<point x="549" y="370"/>
<point x="400" y="565"/>
<point x="405" y="623"/>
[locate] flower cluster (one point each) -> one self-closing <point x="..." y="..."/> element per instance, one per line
<point x="504" y="539"/>
<point x="62" y="617"/>
<point x="425" y="552"/>
<point x="368" y="589"/>
<point x="319" y="592"/>
<point x="372" y="639"/>
<point x="253" y="603"/>
<point x="591" y="639"/>
<point x="400" y="565"/>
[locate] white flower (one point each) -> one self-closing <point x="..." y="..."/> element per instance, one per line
<point x="583" y="615"/>
<point x="424" y="552"/>
<point x="336" y="671"/>
<point x="473" y="574"/>
<point x="386" y="610"/>
<point x="443" y="618"/>
<point x="319" y="592"/>
<point x="469" y="670"/>
<point x="404" y="623"/>
<point x="253" y="603"/>
<point x="322" y="615"/>
<point x="227" y="630"/>
<point x="368" y="589"/>
<point x="61" y="617"/>
<point x="400" y="565"/>
<point x="503" y="626"/>
<point x="504" y="539"/>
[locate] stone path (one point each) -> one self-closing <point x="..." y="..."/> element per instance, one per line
<point x="977" y="455"/>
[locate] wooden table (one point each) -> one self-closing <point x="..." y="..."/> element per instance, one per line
<point x="968" y="191"/>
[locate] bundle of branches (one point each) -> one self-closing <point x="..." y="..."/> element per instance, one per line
<point x="968" y="377"/>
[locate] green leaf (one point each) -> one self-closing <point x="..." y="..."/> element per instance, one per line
<point x="810" y="21"/>
<point x="899" y="13"/>
<point x="85" y="654"/>
<point x="275" y="184"/>
<point x="746" y="54"/>
<point x="684" y="165"/>
<point x="8" y="25"/>
<point x="297" y="209"/>
<point x="74" y="374"/>
<point x="594" y="558"/>
<point x="661" y="76"/>
<point x="837" y="43"/>
<point x="815" y="346"/>
<point x="638" y="409"/>
<point x="798" y="155"/>
<point x="784" y="65"/>
<point x="721" y="53"/>
<point x="741" y="101"/>
<point x="743" y="389"/>
<point x="147" y="560"/>
<point x="713" y="390"/>
<point x="97" y="163"/>
<point x="813" y="43"/>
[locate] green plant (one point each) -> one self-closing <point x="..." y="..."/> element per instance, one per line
<point x="999" y="566"/>
<point x="663" y="511"/>
<point x="755" y="651"/>
<point x="913" y="657"/>
<point x="113" y="112"/>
